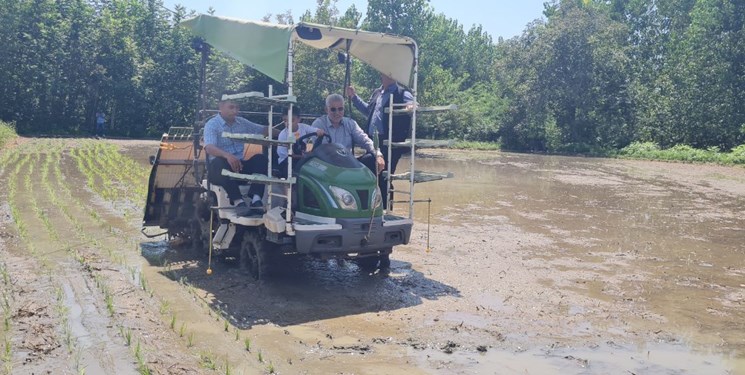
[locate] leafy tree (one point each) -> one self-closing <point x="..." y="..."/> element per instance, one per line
<point x="707" y="74"/>
<point x="575" y="82"/>
<point x="591" y="74"/>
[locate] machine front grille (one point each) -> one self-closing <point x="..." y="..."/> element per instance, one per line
<point x="364" y="199"/>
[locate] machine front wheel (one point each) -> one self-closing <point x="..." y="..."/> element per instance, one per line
<point x="199" y="239"/>
<point x="255" y="255"/>
<point x="367" y="264"/>
<point x="371" y="263"/>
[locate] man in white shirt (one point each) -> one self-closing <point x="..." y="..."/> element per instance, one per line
<point x="299" y="130"/>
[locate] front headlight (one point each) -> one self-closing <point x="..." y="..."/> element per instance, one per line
<point x="344" y="198"/>
<point x="377" y="199"/>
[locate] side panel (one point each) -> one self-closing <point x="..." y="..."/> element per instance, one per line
<point x="172" y="187"/>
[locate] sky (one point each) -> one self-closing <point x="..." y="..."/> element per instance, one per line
<point x="499" y="18"/>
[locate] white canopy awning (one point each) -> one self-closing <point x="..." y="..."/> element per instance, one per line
<point x="264" y="46"/>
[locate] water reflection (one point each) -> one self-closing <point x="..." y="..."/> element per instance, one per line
<point x="671" y="245"/>
<point x="665" y="251"/>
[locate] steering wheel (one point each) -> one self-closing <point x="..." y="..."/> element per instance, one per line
<point x="301" y="145"/>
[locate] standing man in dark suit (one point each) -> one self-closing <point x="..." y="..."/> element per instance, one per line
<point x="377" y="120"/>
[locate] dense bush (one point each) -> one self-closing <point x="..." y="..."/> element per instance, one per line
<point x="650" y="150"/>
<point x="7" y="132"/>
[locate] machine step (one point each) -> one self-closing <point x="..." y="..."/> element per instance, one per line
<point x="420" y="176"/>
<point x="258" y="97"/>
<point x="256" y="139"/>
<point x="433" y="109"/>
<point x="423" y="143"/>
<point x="258" y="178"/>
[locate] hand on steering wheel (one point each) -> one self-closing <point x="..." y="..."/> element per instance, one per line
<point x="301" y="145"/>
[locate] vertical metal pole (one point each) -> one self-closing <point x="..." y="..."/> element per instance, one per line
<point x="389" y="180"/>
<point x="270" y="131"/>
<point x="429" y="208"/>
<point x="205" y="51"/>
<point x="291" y="136"/>
<point x="210" y="239"/>
<point x="413" y="132"/>
<point x="348" y="77"/>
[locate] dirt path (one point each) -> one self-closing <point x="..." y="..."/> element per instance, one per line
<point x="531" y="269"/>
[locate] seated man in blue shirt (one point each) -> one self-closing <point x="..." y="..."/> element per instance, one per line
<point x="225" y="153"/>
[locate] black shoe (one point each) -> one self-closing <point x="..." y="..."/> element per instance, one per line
<point x="242" y="209"/>
<point x="257" y="206"/>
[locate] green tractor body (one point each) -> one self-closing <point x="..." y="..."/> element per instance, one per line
<point x="339" y="208"/>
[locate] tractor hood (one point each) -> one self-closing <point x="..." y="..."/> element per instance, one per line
<point x="264" y="46"/>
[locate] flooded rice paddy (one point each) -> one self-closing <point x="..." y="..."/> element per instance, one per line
<point x="535" y="265"/>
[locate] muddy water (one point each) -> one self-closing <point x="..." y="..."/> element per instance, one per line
<point x="664" y="241"/>
<point x="536" y="265"/>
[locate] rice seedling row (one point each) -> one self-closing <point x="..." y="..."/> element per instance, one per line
<point x="62" y="311"/>
<point x="68" y="196"/>
<point x="7" y="299"/>
<point x="114" y="186"/>
<point x="98" y="181"/>
<point x="15" y="213"/>
<point x="219" y="315"/>
<point x="111" y="164"/>
<point x="108" y="298"/>
<point x="48" y="201"/>
<point x="7" y="160"/>
<point x="12" y="186"/>
<point x="127" y="171"/>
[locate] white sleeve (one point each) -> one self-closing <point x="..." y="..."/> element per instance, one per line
<point x="282" y="150"/>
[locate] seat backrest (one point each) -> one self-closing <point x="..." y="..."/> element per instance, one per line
<point x="250" y="150"/>
<point x="220" y="193"/>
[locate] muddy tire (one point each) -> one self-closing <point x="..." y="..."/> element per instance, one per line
<point x="198" y="241"/>
<point x="367" y="264"/>
<point x="372" y="263"/>
<point x="256" y="255"/>
<point x="385" y="262"/>
<point x="200" y="232"/>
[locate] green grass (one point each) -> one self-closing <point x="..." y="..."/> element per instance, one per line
<point x="7" y="133"/>
<point x="636" y="150"/>
<point x="685" y="153"/>
<point x="8" y="357"/>
<point x="208" y="361"/>
<point x="475" y="145"/>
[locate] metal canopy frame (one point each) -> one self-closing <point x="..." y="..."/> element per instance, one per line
<point x="269" y="48"/>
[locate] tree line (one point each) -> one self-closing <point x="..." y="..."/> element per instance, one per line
<point x="588" y="75"/>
